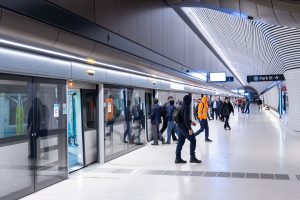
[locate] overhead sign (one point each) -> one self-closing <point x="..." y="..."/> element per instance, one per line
<point x="229" y="79"/>
<point x="260" y="78"/>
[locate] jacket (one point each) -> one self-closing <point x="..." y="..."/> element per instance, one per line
<point x="155" y="114"/>
<point x="170" y="110"/>
<point x="185" y="123"/>
<point x="203" y="109"/>
<point x="212" y="104"/>
<point x="226" y="109"/>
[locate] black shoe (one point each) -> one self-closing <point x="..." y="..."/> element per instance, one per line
<point x="195" y="160"/>
<point x="154" y="144"/>
<point x="208" y="140"/>
<point x="180" y="161"/>
<point x="225" y="129"/>
<point x="229" y="128"/>
<point x="163" y="141"/>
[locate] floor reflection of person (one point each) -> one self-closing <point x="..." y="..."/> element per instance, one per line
<point x="112" y="112"/>
<point x="138" y="116"/>
<point x="38" y="119"/>
<point x="128" y="120"/>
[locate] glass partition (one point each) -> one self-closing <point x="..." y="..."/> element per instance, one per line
<point x="124" y="118"/>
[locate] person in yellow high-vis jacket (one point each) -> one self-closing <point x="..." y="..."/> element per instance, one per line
<point x="202" y="116"/>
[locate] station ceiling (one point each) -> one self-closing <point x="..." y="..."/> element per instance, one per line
<point x="249" y="47"/>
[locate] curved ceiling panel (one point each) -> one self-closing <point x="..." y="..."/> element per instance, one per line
<point x="274" y="12"/>
<point x="248" y="47"/>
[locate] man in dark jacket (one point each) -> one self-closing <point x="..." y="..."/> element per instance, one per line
<point x="171" y="125"/>
<point x="155" y="121"/>
<point x="164" y="112"/>
<point x="221" y="117"/>
<point x="226" y="109"/>
<point x="185" y="131"/>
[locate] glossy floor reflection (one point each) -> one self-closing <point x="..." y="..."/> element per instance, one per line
<point x="258" y="146"/>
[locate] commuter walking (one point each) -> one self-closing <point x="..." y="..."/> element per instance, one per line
<point x="221" y="117"/>
<point x="185" y="131"/>
<point x="259" y="103"/>
<point x="247" y="106"/>
<point x="164" y="109"/>
<point x="155" y="117"/>
<point x="171" y="125"/>
<point x="215" y="106"/>
<point x="226" y="109"/>
<point x="202" y="116"/>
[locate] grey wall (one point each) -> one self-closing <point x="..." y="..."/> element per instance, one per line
<point x="150" y="23"/>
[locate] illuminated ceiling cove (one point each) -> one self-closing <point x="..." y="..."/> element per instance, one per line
<point x="248" y="47"/>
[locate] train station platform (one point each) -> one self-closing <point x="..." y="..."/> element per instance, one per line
<point x="257" y="159"/>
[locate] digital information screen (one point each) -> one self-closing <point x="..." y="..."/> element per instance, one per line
<point x="217" y="77"/>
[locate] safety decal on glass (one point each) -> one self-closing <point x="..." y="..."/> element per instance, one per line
<point x="64" y="108"/>
<point x="56" y="110"/>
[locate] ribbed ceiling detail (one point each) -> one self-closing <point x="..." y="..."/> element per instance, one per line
<point x="248" y="47"/>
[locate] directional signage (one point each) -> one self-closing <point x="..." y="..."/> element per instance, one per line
<point x="260" y="78"/>
<point x="229" y="79"/>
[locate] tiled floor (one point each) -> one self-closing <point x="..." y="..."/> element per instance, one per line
<point x="252" y="161"/>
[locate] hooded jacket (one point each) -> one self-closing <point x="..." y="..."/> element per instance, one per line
<point x="203" y="108"/>
<point x="185" y="123"/>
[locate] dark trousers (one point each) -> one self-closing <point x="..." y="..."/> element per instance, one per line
<point x="165" y="126"/>
<point x="184" y="134"/>
<point x="155" y="133"/>
<point x="226" y="125"/>
<point x="215" y="112"/>
<point x="203" y="127"/>
<point x="128" y="131"/>
<point x="247" y="110"/>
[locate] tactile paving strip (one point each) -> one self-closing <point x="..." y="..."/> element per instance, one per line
<point x="202" y="174"/>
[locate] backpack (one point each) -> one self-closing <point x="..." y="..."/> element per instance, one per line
<point x="176" y="117"/>
<point x="163" y="111"/>
<point x="198" y="108"/>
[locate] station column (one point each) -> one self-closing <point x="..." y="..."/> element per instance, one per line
<point x="293" y="88"/>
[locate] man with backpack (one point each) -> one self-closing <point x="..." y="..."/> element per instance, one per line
<point x="164" y="110"/>
<point x="183" y="119"/>
<point x="203" y="115"/>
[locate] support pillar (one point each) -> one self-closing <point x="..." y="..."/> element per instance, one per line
<point x="293" y="88"/>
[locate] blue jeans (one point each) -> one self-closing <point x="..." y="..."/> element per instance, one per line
<point x="171" y="126"/>
<point x="184" y="134"/>
<point x="203" y="127"/>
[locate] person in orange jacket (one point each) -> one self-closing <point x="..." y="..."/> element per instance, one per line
<point x="202" y="116"/>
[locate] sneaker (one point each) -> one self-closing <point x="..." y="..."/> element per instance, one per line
<point x="154" y="144"/>
<point x="163" y="140"/>
<point x="180" y="161"/>
<point x="195" y="160"/>
<point x="208" y="140"/>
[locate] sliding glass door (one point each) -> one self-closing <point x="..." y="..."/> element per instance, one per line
<point x="32" y="134"/>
